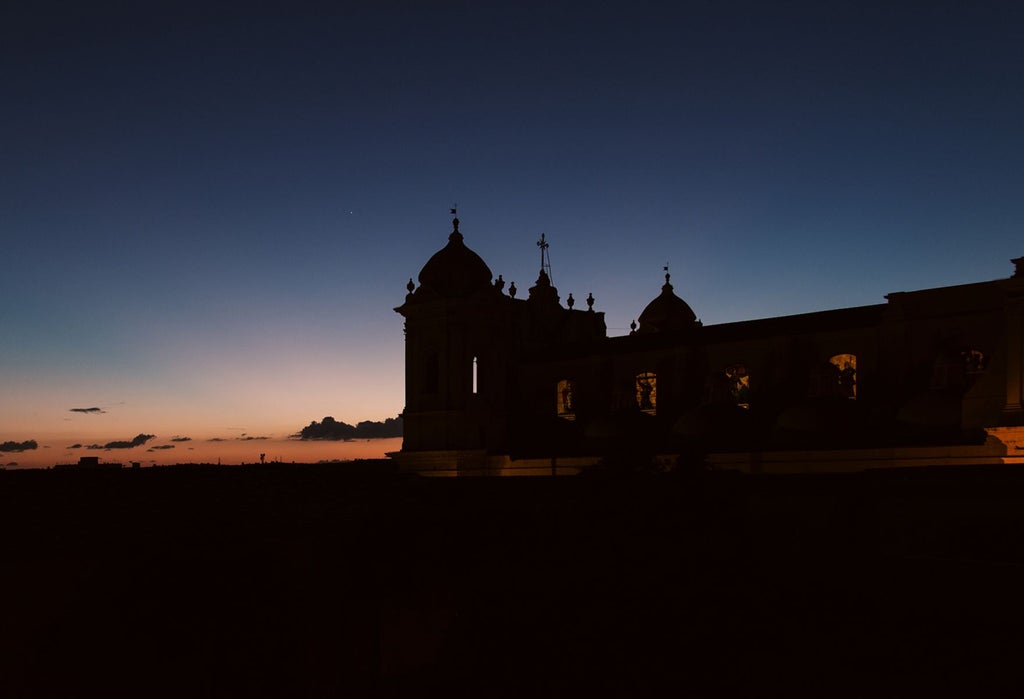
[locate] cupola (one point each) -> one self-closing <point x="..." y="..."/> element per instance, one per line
<point x="667" y="313"/>
<point x="455" y="270"/>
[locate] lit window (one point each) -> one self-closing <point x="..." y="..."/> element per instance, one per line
<point x="476" y="367"/>
<point x="566" y="400"/>
<point x="647" y="392"/>
<point x="739" y="385"/>
<point x="845" y="375"/>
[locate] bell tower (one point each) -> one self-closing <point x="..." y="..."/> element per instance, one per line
<point x="455" y="365"/>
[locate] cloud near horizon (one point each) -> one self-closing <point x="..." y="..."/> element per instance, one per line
<point x="88" y="411"/>
<point x="137" y="441"/>
<point x="160" y="447"/>
<point x="27" y="445"/>
<point x="330" y="429"/>
<point x="181" y="439"/>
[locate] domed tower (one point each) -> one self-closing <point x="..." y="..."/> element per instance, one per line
<point x="667" y="313"/>
<point x="455" y="375"/>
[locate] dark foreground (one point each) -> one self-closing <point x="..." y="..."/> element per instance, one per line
<point x="317" y="581"/>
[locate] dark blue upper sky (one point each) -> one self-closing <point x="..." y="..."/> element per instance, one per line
<point x="251" y="184"/>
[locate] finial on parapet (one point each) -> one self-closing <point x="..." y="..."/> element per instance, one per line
<point x="590" y="302"/>
<point x="499" y="283"/>
<point x="512" y="290"/>
<point x="632" y="327"/>
<point x="410" y="287"/>
<point x="570" y="302"/>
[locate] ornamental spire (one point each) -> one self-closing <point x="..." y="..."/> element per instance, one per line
<point x="545" y="258"/>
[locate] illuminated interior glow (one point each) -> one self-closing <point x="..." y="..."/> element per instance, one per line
<point x="565" y="400"/>
<point x="739" y="385"/>
<point x="846" y="377"/>
<point x="647" y="392"/>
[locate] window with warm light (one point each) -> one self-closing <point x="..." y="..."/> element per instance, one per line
<point x="845" y="375"/>
<point x="647" y="392"/>
<point x="739" y="385"/>
<point x="565" y="401"/>
<point x="476" y="368"/>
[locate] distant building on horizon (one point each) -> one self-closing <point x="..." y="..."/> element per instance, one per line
<point x="497" y="384"/>
<point x="91" y="462"/>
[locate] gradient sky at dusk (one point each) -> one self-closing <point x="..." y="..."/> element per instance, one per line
<point x="209" y="210"/>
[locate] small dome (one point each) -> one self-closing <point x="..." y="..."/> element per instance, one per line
<point x="455" y="270"/>
<point x="666" y="313"/>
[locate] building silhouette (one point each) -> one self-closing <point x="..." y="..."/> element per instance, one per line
<point x="498" y="384"/>
<point x="91" y="463"/>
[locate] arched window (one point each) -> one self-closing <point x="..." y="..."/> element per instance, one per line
<point x="739" y="385"/>
<point x="845" y="375"/>
<point x="647" y="392"/>
<point x="565" y="401"/>
<point x="476" y="367"/>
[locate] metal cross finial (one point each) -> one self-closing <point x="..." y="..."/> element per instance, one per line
<point x="545" y="258"/>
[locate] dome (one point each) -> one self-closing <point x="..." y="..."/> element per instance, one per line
<point x="455" y="270"/>
<point x="667" y="312"/>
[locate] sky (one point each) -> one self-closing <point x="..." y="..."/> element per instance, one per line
<point x="208" y="211"/>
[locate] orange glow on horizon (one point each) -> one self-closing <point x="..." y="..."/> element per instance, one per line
<point x="227" y="451"/>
